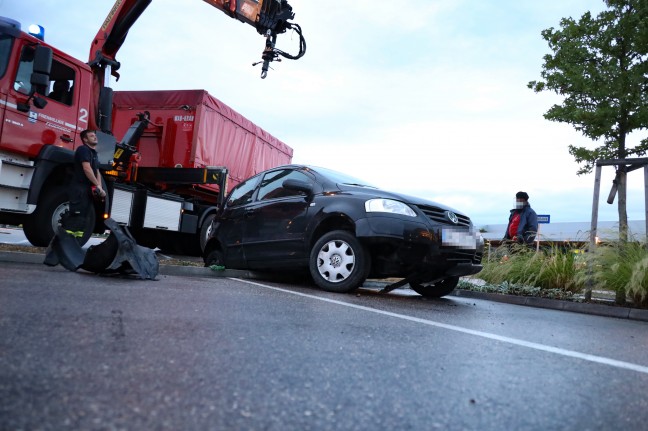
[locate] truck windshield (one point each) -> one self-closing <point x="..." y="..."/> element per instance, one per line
<point x="5" y="52"/>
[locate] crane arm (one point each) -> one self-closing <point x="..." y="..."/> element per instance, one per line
<point x="268" y="17"/>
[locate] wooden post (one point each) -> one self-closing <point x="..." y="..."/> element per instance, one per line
<point x="646" y="200"/>
<point x="593" y="227"/>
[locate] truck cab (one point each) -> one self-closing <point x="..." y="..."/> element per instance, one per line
<point x="38" y="122"/>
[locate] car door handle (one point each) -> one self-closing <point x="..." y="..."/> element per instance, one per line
<point x="250" y="212"/>
<point x="66" y="138"/>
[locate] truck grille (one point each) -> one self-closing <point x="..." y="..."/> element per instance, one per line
<point x="438" y="215"/>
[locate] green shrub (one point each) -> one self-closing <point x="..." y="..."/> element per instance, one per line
<point x="554" y="268"/>
<point x="561" y="269"/>
<point x="623" y="267"/>
<point x="518" y="290"/>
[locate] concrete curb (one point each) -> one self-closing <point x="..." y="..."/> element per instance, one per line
<point x="557" y="304"/>
<point x="530" y="301"/>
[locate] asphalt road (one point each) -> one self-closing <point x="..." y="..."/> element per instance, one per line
<point x="79" y="351"/>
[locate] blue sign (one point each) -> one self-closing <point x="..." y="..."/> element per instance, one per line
<point x="544" y="218"/>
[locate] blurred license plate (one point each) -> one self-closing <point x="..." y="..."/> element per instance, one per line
<point x="459" y="238"/>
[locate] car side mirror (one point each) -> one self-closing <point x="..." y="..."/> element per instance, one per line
<point x="300" y="186"/>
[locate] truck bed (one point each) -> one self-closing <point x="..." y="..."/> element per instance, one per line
<point x="191" y="128"/>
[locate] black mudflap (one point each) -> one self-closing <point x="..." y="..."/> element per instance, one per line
<point x="64" y="250"/>
<point x="119" y="253"/>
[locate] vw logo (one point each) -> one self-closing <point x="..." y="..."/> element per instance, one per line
<point x="452" y="217"/>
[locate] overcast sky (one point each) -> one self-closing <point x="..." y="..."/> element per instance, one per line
<point x="424" y="97"/>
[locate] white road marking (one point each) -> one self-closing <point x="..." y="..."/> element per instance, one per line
<point x="536" y="346"/>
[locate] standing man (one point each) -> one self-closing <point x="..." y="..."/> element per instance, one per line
<point x="86" y="176"/>
<point x="523" y="221"/>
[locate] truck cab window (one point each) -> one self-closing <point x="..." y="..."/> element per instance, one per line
<point x="61" y="91"/>
<point x="62" y="78"/>
<point x="22" y="82"/>
<point x="62" y="81"/>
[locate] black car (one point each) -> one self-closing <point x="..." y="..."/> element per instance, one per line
<point x="343" y="231"/>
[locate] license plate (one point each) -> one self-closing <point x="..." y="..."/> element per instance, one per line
<point x="459" y="238"/>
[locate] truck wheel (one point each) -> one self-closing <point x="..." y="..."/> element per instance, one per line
<point x="39" y="228"/>
<point x="205" y="231"/>
<point x="436" y="290"/>
<point x="338" y="262"/>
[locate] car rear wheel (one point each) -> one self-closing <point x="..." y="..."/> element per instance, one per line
<point x="338" y="262"/>
<point x="436" y="290"/>
<point x="214" y="257"/>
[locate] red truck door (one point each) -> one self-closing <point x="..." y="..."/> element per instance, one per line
<point x="56" y="124"/>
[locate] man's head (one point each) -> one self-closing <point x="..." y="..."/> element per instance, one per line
<point x="61" y="85"/>
<point x="521" y="199"/>
<point x="89" y="137"/>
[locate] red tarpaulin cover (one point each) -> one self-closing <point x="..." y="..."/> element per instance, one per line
<point x="194" y="129"/>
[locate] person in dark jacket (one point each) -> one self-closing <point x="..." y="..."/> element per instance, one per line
<point x="86" y="176"/>
<point x="523" y="221"/>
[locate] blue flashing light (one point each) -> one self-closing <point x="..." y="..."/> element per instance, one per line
<point x="37" y="31"/>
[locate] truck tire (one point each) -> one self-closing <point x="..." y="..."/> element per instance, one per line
<point x="436" y="290"/>
<point x="339" y="262"/>
<point x="40" y="226"/>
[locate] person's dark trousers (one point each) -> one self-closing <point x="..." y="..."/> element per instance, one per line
<point x="80" y="203"/>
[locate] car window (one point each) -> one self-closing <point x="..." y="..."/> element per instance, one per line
<point x="272" y="184"/>
<point x="242" y="194"/>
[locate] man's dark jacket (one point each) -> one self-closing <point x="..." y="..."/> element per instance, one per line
<point x="528" y="226"/>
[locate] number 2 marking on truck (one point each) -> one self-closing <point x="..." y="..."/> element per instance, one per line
<point x="83" y="118"/>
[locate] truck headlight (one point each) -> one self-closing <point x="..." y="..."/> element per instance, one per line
<point x="388" y="206"/>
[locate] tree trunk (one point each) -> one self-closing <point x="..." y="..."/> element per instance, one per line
<point x="623" y="211"/>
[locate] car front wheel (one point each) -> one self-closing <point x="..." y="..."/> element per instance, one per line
<point x="436" y="290"/>
<point x="338" y="262"/>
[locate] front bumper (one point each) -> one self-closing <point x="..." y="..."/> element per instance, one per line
<point x="463" y="269"/>
<point x="411" y="245"/>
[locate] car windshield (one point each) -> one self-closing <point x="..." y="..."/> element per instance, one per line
<point x="340" y="178"/>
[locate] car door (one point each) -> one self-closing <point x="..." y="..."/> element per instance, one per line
<point x="230" y="223"/>
<point x="276" y="221"/>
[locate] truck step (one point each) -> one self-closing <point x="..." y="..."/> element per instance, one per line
<point x="15" y="174"/>
<point x="18" y="164"/>
<point x="9" y="186"/>
<point x="14" y="210"/>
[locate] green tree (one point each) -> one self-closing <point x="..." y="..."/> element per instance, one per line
<point x="600" y="65"/>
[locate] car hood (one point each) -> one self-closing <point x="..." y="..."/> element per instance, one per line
<point x="371" y="193"/>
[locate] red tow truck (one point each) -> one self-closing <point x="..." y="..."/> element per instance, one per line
<point x="165" y="156"/>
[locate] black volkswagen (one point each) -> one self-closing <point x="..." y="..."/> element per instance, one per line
<point x="343" y="231"/>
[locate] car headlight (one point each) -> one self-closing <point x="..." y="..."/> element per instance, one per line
<point x="388" y="206"/>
